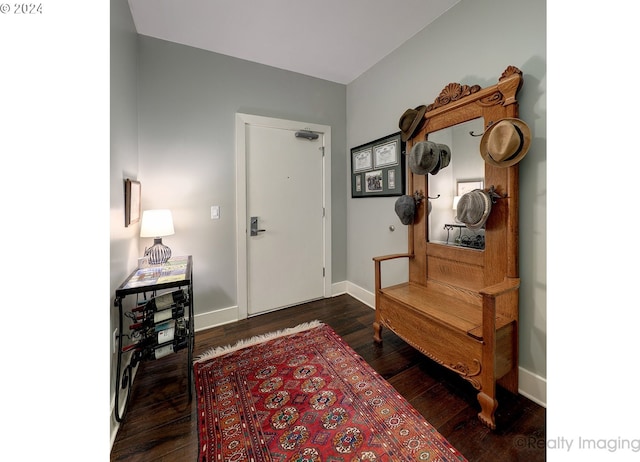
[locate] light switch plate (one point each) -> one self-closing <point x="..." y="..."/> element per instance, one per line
<point x="215" y="212"/>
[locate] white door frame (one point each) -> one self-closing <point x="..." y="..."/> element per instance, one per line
<point x="242" y="121"/>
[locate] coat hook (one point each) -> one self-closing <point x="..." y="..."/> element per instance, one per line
<point x="418" y="196"/>
<point x="495" y="195"/>
<point x="472" y="133"/>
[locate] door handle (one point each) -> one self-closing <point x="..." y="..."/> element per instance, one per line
<point x="254" y="227"/>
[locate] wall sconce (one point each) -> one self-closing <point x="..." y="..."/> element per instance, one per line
<point x="155" y="224"/>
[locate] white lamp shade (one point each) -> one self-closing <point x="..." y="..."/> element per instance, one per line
<point x="156" y="223"/>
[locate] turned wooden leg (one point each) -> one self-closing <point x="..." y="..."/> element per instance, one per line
<point x="487" y="393"/>
<point x="377" y="332"/>
<point x="488" y="406"/>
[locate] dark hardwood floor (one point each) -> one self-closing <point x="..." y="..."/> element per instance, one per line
<point x="160" y="426"/>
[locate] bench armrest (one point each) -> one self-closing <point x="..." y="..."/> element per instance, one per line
<point x="506" y="286"/>
<point x="490" y="311"/>
<point x="392" y="256"/>
<point x="377" y="261"/>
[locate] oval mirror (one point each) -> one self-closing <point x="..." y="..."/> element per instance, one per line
<point x="464" y="173"/>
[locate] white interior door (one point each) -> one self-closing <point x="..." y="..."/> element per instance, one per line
<point x="285" y="197"/>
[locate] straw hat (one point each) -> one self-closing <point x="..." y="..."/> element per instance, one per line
<point x="474" y="208"/>
<point x="406" y="209"/>
<point x="410" y="120"/>
<point x="505" y="143"/>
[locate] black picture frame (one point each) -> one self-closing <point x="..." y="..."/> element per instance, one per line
<point x="378" y="168"/>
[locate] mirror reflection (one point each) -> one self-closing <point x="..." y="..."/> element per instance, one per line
<point x="464" y="173"/>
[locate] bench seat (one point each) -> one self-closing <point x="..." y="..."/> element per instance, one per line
<point x="456" y="313"/>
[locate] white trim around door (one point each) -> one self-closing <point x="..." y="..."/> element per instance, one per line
<point x="242" y="121"/>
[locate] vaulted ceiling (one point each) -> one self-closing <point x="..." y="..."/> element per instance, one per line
<point x="335" y="40"/>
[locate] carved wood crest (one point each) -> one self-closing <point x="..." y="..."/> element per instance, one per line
<point x="452" y="92"/>
<point x="455" y="91"/>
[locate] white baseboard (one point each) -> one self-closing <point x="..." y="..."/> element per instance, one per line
<point x="228" y="315"/>
<point x="532" y="386"/>
<point x="338" y="288"/>
<point x="215" y="318"/>
<point x="357" y="292"/>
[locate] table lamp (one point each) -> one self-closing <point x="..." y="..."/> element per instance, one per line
<point x="155" y="224"/>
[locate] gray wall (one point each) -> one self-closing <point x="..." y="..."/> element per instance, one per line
<point x="187" y="105"/>
<point x="124" y="153"/>
<point x="472" y="43"/>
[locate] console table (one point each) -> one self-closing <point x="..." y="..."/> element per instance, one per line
<point x="149" y="282"/>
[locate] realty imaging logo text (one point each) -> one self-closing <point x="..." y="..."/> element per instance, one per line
<point x="581" y="444"/>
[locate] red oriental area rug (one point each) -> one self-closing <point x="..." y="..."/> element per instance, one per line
<point x="302" y="394"/>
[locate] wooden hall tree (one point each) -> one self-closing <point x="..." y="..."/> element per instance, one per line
<point x="459" y="305"/>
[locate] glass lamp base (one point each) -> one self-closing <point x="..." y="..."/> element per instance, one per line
<point x="158" y="253"/>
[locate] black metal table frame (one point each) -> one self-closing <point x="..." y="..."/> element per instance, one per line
<point x="121" y="293"/>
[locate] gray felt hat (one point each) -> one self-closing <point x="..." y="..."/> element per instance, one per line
<point x="406" y="209"/>
<point x="429" y="157"/>
<point x="424" y="157"/>
<point x="474" y="208"/>
<point x="444" y="158"/>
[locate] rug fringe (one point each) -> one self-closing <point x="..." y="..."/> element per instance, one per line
<point x="221" y="350"/>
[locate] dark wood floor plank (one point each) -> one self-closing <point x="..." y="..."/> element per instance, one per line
<point x="411" y="382"/>
<point x="160" y="424"/>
